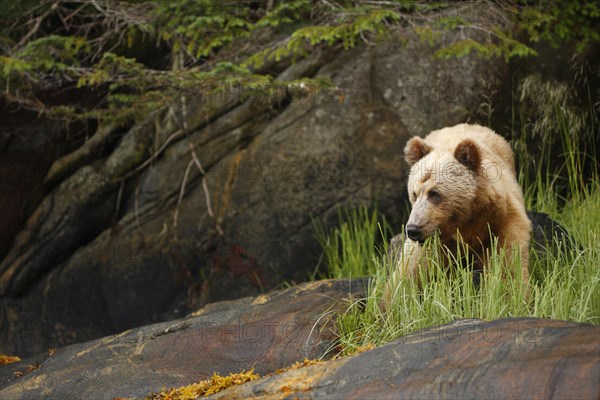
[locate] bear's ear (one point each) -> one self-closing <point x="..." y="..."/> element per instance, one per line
<point x="415" y="149"/>
<point x="467" y="153"/>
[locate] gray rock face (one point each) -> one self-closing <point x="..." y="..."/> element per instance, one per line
<point x="266" y="333"/>
<point x="467" y="359"/>
<point x="522" y="358"/>
<point x="102" y="254"/>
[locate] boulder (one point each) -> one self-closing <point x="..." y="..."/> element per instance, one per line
<point x="520" y="358"/>
<point x="505" y="358"/>
<point x="548" y="236"/>
<point x="266" y="333"/>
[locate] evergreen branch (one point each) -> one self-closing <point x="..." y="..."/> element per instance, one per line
<point x="103" y="45"/>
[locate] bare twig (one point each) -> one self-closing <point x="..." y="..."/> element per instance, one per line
<point x="205" y="187"/>
<point x="136" y="205"/>
<point x="186" y="174"/>
<point x="119" y="197"/>
<point x="36" y="27"/>
<point x="182" y="192"/>
<point x="175" y="135"/>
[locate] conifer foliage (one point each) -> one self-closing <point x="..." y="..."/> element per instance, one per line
<point x="132" y="56"/>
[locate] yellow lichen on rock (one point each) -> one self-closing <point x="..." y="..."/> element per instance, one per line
<point x="365" y="347"/>
<point x="207" y="387"/>
<point x="4" y="359"/>
<point x="298" y="364"/>
<point x="218" y="383"/>
<point x="260" y="300"/>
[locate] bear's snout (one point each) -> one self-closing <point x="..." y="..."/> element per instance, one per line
<point x="414" y="232"/>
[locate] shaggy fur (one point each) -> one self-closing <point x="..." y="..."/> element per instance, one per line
<point x="463" y="184"/>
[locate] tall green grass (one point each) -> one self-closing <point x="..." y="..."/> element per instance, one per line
<point x="564" y="282"/>
<point x="566" y="286"/>
<point x="551" y="178"/>
<point x="348" y="249"/>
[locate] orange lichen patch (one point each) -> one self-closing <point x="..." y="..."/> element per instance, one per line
<point x="366" y="347"/>
<point x="218" y="383"/>
<point x="215" y="384"/>
<point x="301" y="381"/>
<point x="286" y="389"/>
<point x="4" y="359"/>
<point x="298" y="364"/>
<point x="33" y="367"/>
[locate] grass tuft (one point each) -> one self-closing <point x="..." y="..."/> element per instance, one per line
<point x="349" y="248"/>
<point x="566" y="286"/>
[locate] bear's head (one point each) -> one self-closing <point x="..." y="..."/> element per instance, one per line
<point x="442" y="187"/>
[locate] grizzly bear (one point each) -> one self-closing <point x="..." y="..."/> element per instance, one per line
<point x="462" y="185"/>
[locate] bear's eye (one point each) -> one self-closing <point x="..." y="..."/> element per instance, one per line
<point x="435" y="196"/>
<point x="414" y="196"/>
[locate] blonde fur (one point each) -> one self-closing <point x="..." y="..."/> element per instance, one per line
<point x="471" y="171"/>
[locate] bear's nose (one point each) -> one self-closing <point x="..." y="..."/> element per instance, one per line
<point x="414" y="232"/>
